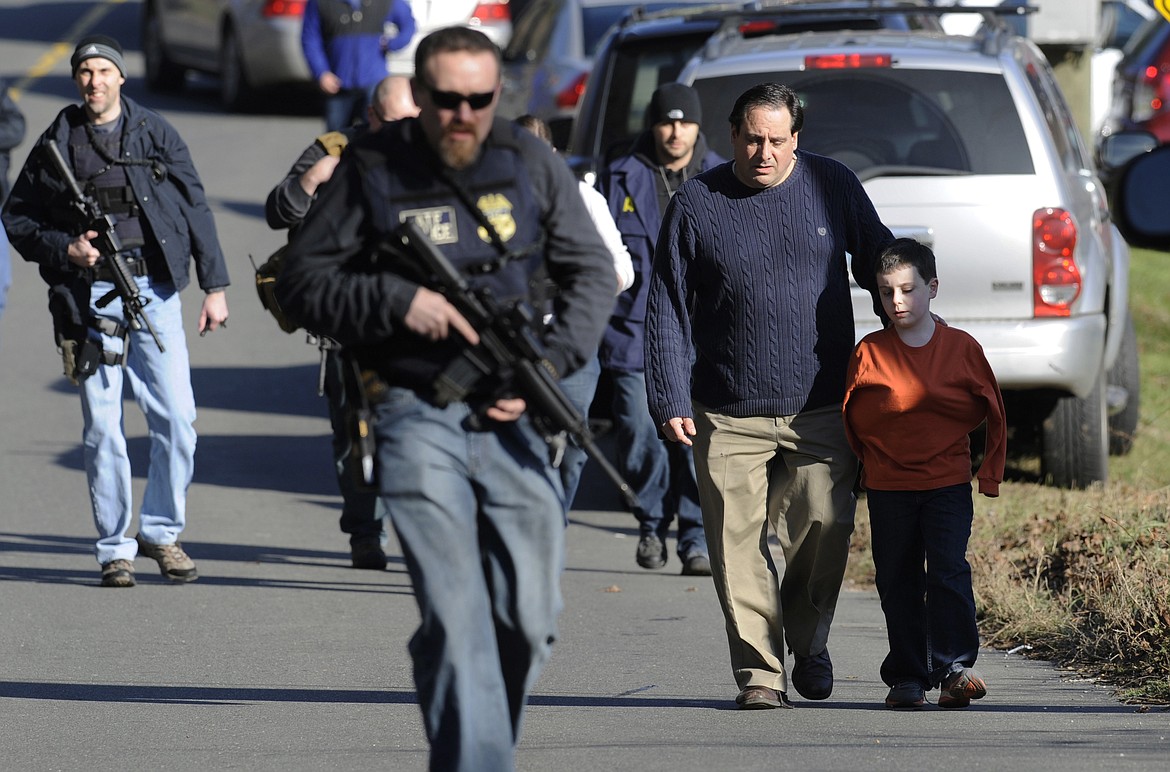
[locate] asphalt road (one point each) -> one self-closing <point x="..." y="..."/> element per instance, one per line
<point x="282" y="657"/>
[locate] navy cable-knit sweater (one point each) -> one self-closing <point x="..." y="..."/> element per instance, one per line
<point x="752" y="287"/>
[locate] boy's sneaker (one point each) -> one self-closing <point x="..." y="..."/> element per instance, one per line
<point x="906" y="695"/>
<point x="172" y="561"/>
<point x="959" y="688"/>
<point x="118" y="573"/>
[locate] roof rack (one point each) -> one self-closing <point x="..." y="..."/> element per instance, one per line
<point x="736" y="13"/>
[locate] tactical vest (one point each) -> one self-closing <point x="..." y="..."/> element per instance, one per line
<point x="94" y="153"/>
<point x="340" y="18"/>
<point x="407" y="187"/>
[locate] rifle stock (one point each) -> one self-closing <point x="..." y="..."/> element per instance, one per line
<point x="508" y="343"/>
<point x="90" y="217"/>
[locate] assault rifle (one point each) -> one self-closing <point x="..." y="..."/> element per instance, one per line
<point x="508" y="343"/>
<point x="88" y="216"/>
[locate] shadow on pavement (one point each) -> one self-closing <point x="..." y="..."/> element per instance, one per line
<point x="290" y="464"/>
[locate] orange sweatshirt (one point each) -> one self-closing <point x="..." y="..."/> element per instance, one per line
<point x="908" y="412"/>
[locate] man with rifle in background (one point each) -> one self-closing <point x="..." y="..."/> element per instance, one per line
<point x="462" y="461"/>
<point x="110" y="206"/>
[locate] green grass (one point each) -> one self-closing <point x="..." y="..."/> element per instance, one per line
<point x="1148" y="465"/>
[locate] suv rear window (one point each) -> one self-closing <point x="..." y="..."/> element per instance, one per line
<point x="900" y="120"/>
<point x="643" y="69"/>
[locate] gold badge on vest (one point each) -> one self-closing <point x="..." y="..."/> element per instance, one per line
<point x="498" y="210"/>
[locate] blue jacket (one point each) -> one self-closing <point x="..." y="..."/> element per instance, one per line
<point x="632" y="193"/>
<point x="353" y="50"/>
<point x="174" y="205"/>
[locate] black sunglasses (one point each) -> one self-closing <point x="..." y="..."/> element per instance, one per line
<point x="450" y="100"/>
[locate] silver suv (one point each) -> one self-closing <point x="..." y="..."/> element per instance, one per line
<point x="966" y="143"/>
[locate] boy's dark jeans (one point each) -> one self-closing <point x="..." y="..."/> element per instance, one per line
<point x="930" y="613"/>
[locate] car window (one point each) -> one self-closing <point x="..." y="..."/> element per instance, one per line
<point x="596" y="20"/>
<point x="901" y="120"/>
<point x="1061" y="126"/>
<point x="1119" y="22"/>
<point x="533" y="30"/>
<point x="637" y="71"/>
<point x="1146" y="35"/>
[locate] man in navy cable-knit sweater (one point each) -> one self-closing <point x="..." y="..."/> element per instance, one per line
<point x="763" y="310"/>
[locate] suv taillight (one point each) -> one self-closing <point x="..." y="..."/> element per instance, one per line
<point x="1056" y="279"/>
<point x="491" y="12"/>
<point x="570" y="95"/>
<point x="283" y="8"/>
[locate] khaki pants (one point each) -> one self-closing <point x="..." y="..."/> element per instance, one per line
<point x="795" y="473"/>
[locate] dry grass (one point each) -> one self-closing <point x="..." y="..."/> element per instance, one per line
<point x="1081" y="578"/>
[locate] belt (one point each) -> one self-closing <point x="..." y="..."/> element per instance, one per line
<point x="137" y="266"/>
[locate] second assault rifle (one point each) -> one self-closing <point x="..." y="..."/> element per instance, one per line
<point x="508" y="343"/>
<point x="88" y="216"/>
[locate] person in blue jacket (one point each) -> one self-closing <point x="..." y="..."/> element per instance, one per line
<point x="134" y="164"/>
<point x="638" y="187"/>
<point x="345" y="44"/>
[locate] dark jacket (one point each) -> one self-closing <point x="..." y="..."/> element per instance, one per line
<point x="332" y="284"/>
<point x="288" y="202"/>
<point x="750" y="310"/>
<point x="630" y="188"/>
<point x="167" y="189"/>
<point x="11" y="134"/>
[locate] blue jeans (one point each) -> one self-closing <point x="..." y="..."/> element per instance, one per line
<point x="480" y="517"/>
<point x="346" y="107"/>
<point x="362" y="515"/>
<point x="579" y="388"/>
<point x="161" y="385"/>
<point x="930" y="613"/>
<point x="661" y="473"/>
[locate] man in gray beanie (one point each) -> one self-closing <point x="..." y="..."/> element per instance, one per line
<point x="137" y="169"/>
<point x="100" y="46"/>
<point x="638" y="187"/>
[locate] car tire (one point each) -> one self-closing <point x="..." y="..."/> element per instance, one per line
<point x="1074" y="440"/>
<point x="234" y="91"/>
<point x="1125" y="376"/>
<point x="162" y="74"/>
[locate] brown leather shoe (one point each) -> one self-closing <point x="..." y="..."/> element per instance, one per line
<point x="761" y="698"/>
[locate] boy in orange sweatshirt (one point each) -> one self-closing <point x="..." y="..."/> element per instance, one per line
<point x="914" y="391"/>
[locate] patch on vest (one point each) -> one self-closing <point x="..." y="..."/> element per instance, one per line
<point x="436" y="223"/>
<point x="498" y="210"/>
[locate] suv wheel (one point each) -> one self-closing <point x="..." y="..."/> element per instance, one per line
<point x="1124" y="385"/>
<point x="1074" y="440"/>
<point x="162" y="75"/>
<point x="234" y="91"/>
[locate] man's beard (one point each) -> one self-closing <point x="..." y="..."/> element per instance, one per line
<point x="458" y="153"/>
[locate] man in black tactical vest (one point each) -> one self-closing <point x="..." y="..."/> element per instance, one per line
<point x="133" y="166"/>
<point x="469" y="486"/>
